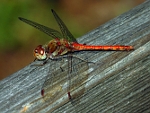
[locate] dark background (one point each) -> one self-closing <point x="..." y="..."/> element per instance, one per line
<point x="18" y="40"/>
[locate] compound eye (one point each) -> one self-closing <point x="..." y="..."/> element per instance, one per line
<point x="41" y="51"/>
<point x="36" y="51"/>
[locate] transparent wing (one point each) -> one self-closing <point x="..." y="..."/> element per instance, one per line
<point x="53" y="86"/>
<point x="51" y="32"/>
<point x="59" y="81"/>
<point x="66" y="33"/>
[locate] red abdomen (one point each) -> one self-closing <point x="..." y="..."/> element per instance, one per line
<point x="78" y="46"/>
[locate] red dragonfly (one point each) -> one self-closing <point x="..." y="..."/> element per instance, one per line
<point x="60" y="46"/>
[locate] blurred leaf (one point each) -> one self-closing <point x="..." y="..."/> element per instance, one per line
<point x="9" y="12"/>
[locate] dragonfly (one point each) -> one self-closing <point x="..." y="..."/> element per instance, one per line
<point x="64" y="43"/>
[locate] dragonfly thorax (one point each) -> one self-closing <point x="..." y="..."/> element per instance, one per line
<point x="58" y="47"/>
<point x="40" y="53"/>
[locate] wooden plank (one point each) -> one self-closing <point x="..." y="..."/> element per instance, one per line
<point x="118" y="82"/>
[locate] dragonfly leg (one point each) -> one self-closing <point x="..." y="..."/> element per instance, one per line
<point x="57" y="58"/>
<point x="61" y="69"/>
<point x="44" y="62"/>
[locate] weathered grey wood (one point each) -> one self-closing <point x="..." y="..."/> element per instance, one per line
<point x="119" y="81"/>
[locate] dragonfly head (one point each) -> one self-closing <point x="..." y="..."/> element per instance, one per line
<point x="39" y="53"/>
